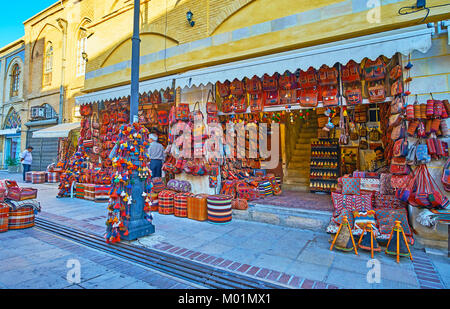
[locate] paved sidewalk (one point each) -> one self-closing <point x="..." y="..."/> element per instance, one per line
<point x="295" y="257"/>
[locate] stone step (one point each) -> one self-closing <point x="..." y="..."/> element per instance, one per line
<point x="303" y="145"/>
<point x="302" y="152"/>
<point x="298" y="172"/>
<point x="300" y="158"/>
<point x="295" y="187"/>
<point x="299" y="165"/>
<point x="313" y="220"/>
<point x="302" y="181"/>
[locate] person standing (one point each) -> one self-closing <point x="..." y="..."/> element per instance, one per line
<point x="26" y="159"/>
<point x="157" y="155"/>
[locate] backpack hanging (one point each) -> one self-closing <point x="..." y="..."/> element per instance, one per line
<point x="308" y="79"/>
<point x="328" y="76"/>
<point x="237" y="88"/>
<point x="374" y="70"/>
<point x="377" y="92"/>
<point x="308" y="97"/>
<point x="351" y="72"/>
<point x="182" y="112"/>
<point x="330" y="96"/>
<point x="353" y="95"/>
<point x="211" y="106"/>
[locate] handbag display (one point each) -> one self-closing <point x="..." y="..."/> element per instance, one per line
<point x="377" y="92"/>
<point x="374" y="70"/>
<point x="237" y="88"/>
<point x="308" y="97"/>
<point x="308" y="79"/>
<point x="330" y="96"/>
<point x="211" y="105"/>
<point x="397" y="88"/>
<point x="182" y="112"/>
<point x="328" y="76"/>
<point x="396" y="72"/>
<point x="354" y="95"/>
<point x="223" y="88"/>
<point x="351" y="72"/>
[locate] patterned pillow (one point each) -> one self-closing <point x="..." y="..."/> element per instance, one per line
<point x="386" y="220"/>
<point x="385" y="184"/>
<point x="370" y="184"/>
<point x="363" y="202"/>
<point x="388" y="202"/>
<point x="341" y="202"/>
<point x="351" y="186"/>
<point x="362" y="218"/>
<point x="345" y="212"/>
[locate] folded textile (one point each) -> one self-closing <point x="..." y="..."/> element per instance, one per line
<point x="26" y="203"/>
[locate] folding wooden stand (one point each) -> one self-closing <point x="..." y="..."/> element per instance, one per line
<point x="368" y="228"/>
<point x="395" y="234"/>
<point x="345" y="225"/>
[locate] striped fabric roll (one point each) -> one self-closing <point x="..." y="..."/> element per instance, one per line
<point x="165" y="202"/>
<point x="38" y="177"/>
<point x="28" y="176"/>
<point x="155" y="202"/>
<point x="21" y="218"/>
<point x="265" y="188"/>
<point x="4" y="214"/>
<point x="158" y="185"/>
<point x="102" y="193"/>
<point x="79" y="190"/>
<point x="89" y="191"/>
<point x="219" y="208"/>
<point x="180" y="204"/>
<point x="53" y="177"/>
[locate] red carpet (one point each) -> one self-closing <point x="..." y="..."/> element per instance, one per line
<point x="303" y="200"/>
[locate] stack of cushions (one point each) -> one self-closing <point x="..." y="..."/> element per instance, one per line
<point x="157" y="185"/>
<point x="89" y="191"/>
<point x="219" y="208"/>
<point x="38" y="177"/>
<point x="265" y="188"/>
<point x="360" y="207"/>
<point x="102" y="193"/>
<point x="28" y="176"/>
<point x="165" y="202"/>
<point x="180" y="204"/>
<point x="4" y="214"/>
<point x="53" y="177"/>
<point x="197" y="208"/>
<point x="21" y="218"/>
<point x="79" y="190"/>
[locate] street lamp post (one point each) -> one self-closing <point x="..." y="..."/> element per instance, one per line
<point x="137" y="225"/>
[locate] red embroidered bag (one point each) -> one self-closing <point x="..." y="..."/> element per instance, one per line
<point x="163" y="118"/>
<point x="223" y="88"/>
<point x="308" y="97"/>
<point x="308" y="79"/>
<point x="237" y="87"/>
<point x="354" y="96"/>
<point x="330" y="96"/>
<point x="287" y="81"/>
<point x="240" y="104"/>
<point x="182" y="112"/>
<point x="374" y="70"/>
<point x="327" y="75"/>
<point x="351" y="72"/>
<point x="270" y="83"/>
<point x="253" y="85"/>
<point x="256" y="102"/>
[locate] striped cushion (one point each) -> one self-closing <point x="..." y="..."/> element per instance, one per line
<point x="53" y="177"/>
<point x="38" y="177"/>
<point x="102" y="193"/>
<point x="21" y="218"/>
<point x="165" y="202"/>
<point x="155" y="202"/>
<point x="79" y="190"/>
<point x="219" y="208"/>
<point x="4" y="214"/>
<point x="89" y="191"/>
<point x="180" y="204"/>
<point x="28" y="176"/>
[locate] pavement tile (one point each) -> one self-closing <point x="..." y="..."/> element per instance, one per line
<point x="284" y="278"/>
<point x="295" y="282"/>
<point x="263" y="273"/>
<point x="252" y="271"/>
<point x="307" y="284"/>
<point x="308" y="270"/>
<point x="273" y="275"/>
<point x="347" y="279"/>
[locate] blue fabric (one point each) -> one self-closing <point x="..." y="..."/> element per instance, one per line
<point x="26" y="168"/>
<point x="155" y="167"/>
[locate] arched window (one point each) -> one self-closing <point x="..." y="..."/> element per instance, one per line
<point x="48" y="64"/>
<point x="15" y="75"/>
<point x="12" y="120"/>
<point x="81" y="49"/>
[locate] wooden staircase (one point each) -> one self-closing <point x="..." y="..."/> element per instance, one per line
<point x="297" y="178"/>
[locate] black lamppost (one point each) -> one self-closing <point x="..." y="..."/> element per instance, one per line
<point x="137" y="225"/>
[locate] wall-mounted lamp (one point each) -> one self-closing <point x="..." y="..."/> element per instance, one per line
<point x="85" y="56"/>
<point x="189" y="16"/>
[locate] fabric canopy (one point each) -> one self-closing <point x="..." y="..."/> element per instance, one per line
<point x="124" y="91"/>
<point x="8" y="131"/>
<point x="60" y="130"/>
<point x="388" y="44"/>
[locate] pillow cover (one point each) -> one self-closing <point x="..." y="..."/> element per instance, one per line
<point x="351" y="186"/>
<point x="362" y="218"/>
<point x="338" y="220"/>
<point x="370" y="184"/>
<point x="385" y="184"/>
<point x="363" y="202"/>
<point x="388" y="202"/>
<point x="386" y="220"/>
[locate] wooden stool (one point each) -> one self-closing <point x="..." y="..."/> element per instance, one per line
<point x="395" y="235"/>
<point x="341" y="237"/>
<point x="368" y="232"/>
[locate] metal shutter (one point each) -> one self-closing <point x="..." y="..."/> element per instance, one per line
<point x="45" y="151"/>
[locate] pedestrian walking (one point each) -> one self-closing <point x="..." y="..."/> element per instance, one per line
<point x="26" y="159"/>
<point x="157" y="155"/>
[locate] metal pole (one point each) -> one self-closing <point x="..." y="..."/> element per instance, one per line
<point x="135" y="54"/>
<point x="137" y="225"/>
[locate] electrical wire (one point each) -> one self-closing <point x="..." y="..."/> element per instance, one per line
<point x="402" y="11"/>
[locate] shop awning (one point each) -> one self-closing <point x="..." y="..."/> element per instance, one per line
<point x="124" y="91"/>
<point x="9" y="131"/>
<point x="60" y="130"/>
<point x="388" y="44"/>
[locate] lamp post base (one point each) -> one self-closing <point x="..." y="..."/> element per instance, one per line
<point x="137" y="229"/>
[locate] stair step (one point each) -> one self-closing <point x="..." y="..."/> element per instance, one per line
<point x="294" y="187"/>
<point x="301" y="152"/>
<point x="300" y="159"/>
<point x="297" y="180"/>
<point x="303" y="164"/>
<point x="298" y="172"/>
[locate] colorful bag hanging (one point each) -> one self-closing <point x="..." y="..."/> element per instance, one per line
<point x="423" y="111"/>
<point x="223" y="88"/>
<point x="330" y="96"/>
<point x="397" y="88"/>
<point x="429" y="109"/>
<point x="270" y="83"/>
<point x="308" y="79"/>
<point x="351" y="72"/>
<point x="396" y="72"/>
<point x="287" y="81"/>
<point x="327" y="75"/>
<point x="438" y="109"/>
<point x="253" y="85"/>
<point x="422" y="153"/>
<point x="377" y="92"/>
<point x="410" y="112"/>
<point x="271" y="98"/>
<point x="155" y="97"/>
<point x="237" y="88"/>
<point x="308" y="97"/>
<point x="374" y="70"/>
<point x="240" y="104"/>
<point x="354" y="95"/>
<point x="397" y="105"/>
<point x="163" y="118"/>
<point x="211" y="105"/>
